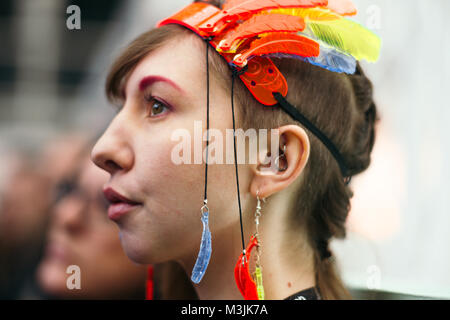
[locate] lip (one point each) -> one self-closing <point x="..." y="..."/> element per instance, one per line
<point x="56" y="251"/>
<point x="119" y="204"/>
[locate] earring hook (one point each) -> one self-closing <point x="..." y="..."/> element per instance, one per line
<point x="277" y="160"/>
<point x="258" y="198"/>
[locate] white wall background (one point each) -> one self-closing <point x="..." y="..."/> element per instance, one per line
<point x="399" y="235"/>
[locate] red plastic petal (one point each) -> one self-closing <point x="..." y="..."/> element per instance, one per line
<point x="262" y="78"/>
<point x="279" y="43"/>
<point x="242" y="275"/>
<point x="263" y="23"/>
<point x="234" y="10"/>
<point x="149" y="284"/>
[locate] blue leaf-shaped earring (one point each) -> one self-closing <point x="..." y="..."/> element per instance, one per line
<point x="204" y="254"/>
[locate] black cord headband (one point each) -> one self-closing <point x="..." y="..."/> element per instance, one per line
<point x="296" y="115"/>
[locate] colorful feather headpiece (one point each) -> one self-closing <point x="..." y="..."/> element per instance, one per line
<point x="247" y="33"/>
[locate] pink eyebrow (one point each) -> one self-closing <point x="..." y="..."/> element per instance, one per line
<point x="148" y="81"/>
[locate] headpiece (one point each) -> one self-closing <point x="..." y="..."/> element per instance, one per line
<point x="247" y="33"/>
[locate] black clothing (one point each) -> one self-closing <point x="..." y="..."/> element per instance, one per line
<point x="307" y="294"/>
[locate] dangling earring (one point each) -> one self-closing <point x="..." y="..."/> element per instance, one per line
<point x="204" y="254"/>
<point x="247" y="286"/>
<point x="258" y="269"/>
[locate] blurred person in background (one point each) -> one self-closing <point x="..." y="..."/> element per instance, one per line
<point x="26" y="197"/>
<point x="81" y="234"/>
<point x="39" y="193"/>
<point x="24" y="205"/>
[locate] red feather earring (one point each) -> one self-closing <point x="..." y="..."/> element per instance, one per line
<point x="244" y="280"/>
<point x="250" y="289"/>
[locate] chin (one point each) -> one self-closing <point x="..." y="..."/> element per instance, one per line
<point x="135" y="249"/>
<point x="51" y="278"/>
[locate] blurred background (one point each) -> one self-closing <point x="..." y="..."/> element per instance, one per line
<point x="51" y="99"/>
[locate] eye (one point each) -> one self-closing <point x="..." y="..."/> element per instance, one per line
<point x="155" y="107"/>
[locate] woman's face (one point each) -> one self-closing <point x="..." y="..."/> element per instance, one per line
<point x="81" y="234"/>
<point x="136" y="150"/>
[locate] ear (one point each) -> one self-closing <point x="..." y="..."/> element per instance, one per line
<point x="267" y="179"/>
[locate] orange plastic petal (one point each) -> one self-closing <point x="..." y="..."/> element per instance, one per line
<point x="192" y="16"/>
<point x="310" y="14"/>
<point x="252" y="5"/>
<point x="279" y="43"/>
<point x="234" y="10"/>
<point x="262" y="24"/>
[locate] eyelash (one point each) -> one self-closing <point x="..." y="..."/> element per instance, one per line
<point x="151" y="101"/>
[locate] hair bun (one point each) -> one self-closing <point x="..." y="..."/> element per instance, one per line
<point x="363" y="131"/>
<point x="363" y="89"/>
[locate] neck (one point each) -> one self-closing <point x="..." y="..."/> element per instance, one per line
<point x="286" y="258"/>
<point x="287" y="261"/>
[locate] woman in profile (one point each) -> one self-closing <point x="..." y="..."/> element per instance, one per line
<point x="302" y="202"/>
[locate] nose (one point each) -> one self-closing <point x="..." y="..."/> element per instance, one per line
<point x="70" y="214"/>
<point x="113" y="152"/>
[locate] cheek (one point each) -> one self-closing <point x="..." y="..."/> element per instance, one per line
<point x="173" y="198"/>
<point x="165" y="182"/>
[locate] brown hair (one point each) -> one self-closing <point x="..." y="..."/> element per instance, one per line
<point x="340" y="105"/>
